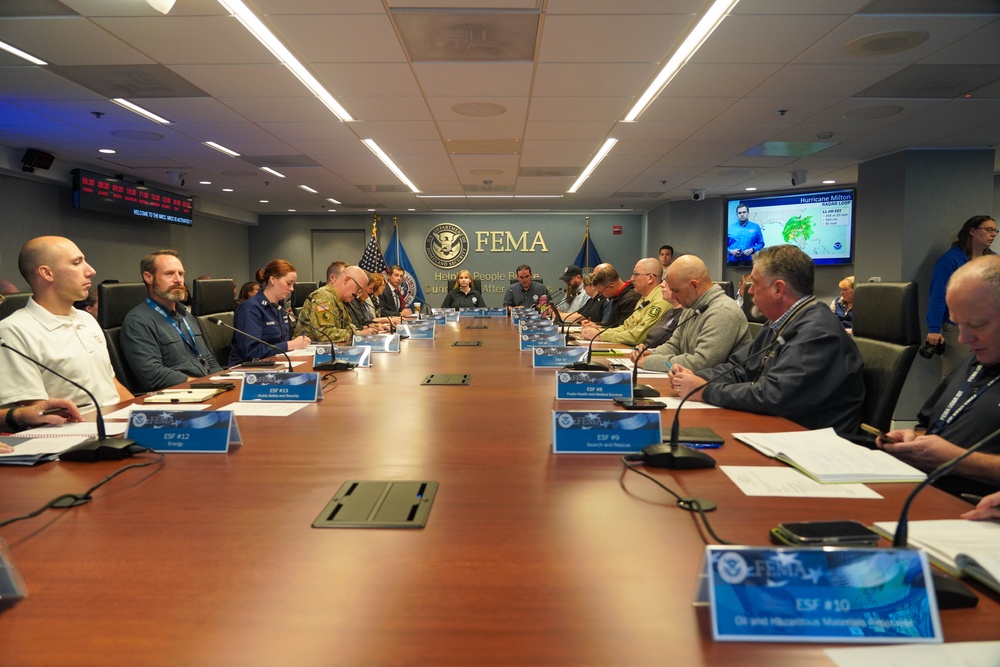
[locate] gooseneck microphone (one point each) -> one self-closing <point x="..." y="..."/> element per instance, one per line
<point x="333" y="364"/>
<point x="902" y="526"/>
<point x="671" y="454"/>
<point x="588" y="365"/>
<point x="220" y="323"/>
<point x="101" y="448"/>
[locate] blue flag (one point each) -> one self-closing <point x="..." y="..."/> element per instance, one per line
<point x="588" y="257"/>
<point x="396" y="254"/>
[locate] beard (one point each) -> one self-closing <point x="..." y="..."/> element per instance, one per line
<point x="174" y="294"/>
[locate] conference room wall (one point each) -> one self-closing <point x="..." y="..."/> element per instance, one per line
<point x="290" y="237"/>
<point x="113" y="245"/>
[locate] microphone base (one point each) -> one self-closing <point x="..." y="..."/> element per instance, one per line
<point x="584" y="366"/>
<point x="644" y="391"/>
<point x="95" y="449"/>
<point x="663" y="455"/>
<point x="953" y="594"/>
<point x="334" y="366"/>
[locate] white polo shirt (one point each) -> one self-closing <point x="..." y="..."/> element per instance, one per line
<point x="72" y="345"/>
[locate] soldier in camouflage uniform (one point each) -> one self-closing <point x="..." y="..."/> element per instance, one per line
<point x="324" y="313"/>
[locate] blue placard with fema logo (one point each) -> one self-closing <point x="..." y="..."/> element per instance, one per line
<point x="472" y="312"/>
<point x="379" y="342"/>
<point x="537" y="326"/>
<point x="290" y="387"/>
<point x="593" y="385"/>
<point x="495" y="312"/>
<point x="417" y="330"/>
<point x="616" y="432"/>
<point x="186" y="431"/>
<point x="519" y="315"/>
<point x="821" y="594"/>
<point x="359" y="356"/>
<point x="529" y="341"/>
<point x="557" y="357"/>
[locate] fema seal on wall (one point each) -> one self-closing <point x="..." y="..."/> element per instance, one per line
<point x="446" y="245"/>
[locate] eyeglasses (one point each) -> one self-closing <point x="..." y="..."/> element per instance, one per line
<point x="989" y="230"/>
<point x="636" y="274"/>
<point x="361" y="290"/>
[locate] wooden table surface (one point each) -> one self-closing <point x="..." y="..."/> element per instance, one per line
<point x="528" y="558"/>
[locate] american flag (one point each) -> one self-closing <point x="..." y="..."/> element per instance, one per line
<point x="372" y="259"/>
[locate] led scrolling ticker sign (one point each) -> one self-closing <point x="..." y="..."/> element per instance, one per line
<point x="105" y="194"/>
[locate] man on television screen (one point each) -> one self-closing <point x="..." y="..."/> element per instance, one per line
<point x="745" y="237"/>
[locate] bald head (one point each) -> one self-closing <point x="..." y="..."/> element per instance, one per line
<point x="38" y="252"/>
<point x="56" y="271"/>
<point x="687" y="279"/>
<point x="983" y="271"/>
<point x="646" y="275"/>
<point x="353" y="279"/>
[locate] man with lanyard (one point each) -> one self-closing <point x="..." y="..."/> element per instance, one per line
<point x="814" y="378"/>
<point x="160" y="338"/>
<point x="392" y="303"/>
<point x="526" y="291"/>
<point x="966" y="407"/>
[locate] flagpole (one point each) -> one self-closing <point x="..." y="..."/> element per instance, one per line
<point x="395" y="235"/>
<point x="586" y="244"/>
<point x="375" y="220"/>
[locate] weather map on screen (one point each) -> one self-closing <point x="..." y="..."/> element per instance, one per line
<point x="820" y="223"/>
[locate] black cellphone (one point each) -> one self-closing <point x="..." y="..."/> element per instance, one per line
<point x="258" y="364"/>
<point x="640" y="404"/>
<point x="826" y="533"/>
<point x="224" y="386"/>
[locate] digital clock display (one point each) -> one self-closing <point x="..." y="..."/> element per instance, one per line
<point x="94" y="192"/>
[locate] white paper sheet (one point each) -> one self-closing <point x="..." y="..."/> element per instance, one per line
<point x="959" y="654"/>
<point x="789" y="482"/>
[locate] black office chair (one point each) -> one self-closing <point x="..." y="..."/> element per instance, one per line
<point x="727" y="287"/>
<point x="303" y="290"/>
<point x="114" y="300"/>
<point x="514" y="280"/>
<point x="13" y="303"/>
<point x="887" y="333"/>
<point x="212" y="299"/>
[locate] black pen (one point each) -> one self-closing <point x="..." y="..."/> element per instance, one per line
<point x="55" y="411"/>
<point x="971" y="497"/>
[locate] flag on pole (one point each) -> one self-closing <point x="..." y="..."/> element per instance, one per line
<point x="372" y="259"/>
<point x="396" y="254"/>
<point x="588" y="257"/>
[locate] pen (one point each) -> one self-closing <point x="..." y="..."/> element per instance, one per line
<point x="972" y="498"/>
<point x="55" y="411"/>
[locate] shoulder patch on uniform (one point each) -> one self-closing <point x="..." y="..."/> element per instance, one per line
<point x="322" y="307"/>
<point x="655" y="311"/>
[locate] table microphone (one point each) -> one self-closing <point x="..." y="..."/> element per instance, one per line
<point x="672" y="455"/>
<point x="333" y="364"/>
<point x="220" y="323"/>
<point x="644" y="390"/>
<point x="588" y="365"/>
<point x="101" y="448"/>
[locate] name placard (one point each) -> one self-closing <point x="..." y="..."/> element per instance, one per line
<point x="824" y="594"/>
<point x="289" y="387"/>
<point x="615" y="432"/>
<point x="593" y="385"/>
<point x="379" y="342"/>
<point x="417" y="330"/>
<point x="537" y="326"/>
<point x="359" y="356"/>
<point x="495" y="312"/>
<point x="530" y="341"/>
<point x="557" y="357"/>
<point x="188" y="431"/>
<point x="472" y="312"/>
<point x="519" y="315"/>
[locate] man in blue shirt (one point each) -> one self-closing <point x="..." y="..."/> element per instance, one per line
<point x="745" y="237"/>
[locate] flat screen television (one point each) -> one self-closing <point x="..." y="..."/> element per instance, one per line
<point x="105" y="194"/>
<point x="821" y="223"/>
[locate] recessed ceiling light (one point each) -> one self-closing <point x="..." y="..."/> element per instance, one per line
<point x="222" y="149"/>
<point x="291" y="210"/>
<point x="309" y="189"/>
<point x="332" y="200"/>
<point x="884" y="43"/>
<point x="204" y="182"/>
<point x="227" y="189"/>
<point x="21" y="54"/>
<point x="750" y="189"/>
<point x="107" y="151"/>
<point x="265" y="201"/>
<point x="272" y="171"/>
<point x="831" y="182"/>
<point x="135" y="108"/>
<point x="411" y="209"/>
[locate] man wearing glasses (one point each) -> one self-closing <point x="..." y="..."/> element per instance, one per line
<point x="650" y="307"/>
<point x="324" y="314"/>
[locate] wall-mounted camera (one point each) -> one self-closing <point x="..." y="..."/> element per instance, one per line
<point x="798" y="176"/>
<point x="697" y="195"/>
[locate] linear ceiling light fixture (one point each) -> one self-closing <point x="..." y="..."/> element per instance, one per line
<point x="334" y="201"/>
<point x="21" y="54"/>
<point x="281" y="52"/>
<point x="309" y="189"/>
<point x="272" y="171"/>
<point x="605" y="149"/>
<point x="135" y="108"/>
<point x="387" y="161"/>
<point x="719" y="10"/>
<point x="222" y="149"/>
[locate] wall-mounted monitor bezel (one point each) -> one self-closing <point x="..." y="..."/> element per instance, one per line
<point x="114" y="195"/>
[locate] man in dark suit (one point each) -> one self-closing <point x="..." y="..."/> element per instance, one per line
<point x="391" y="302"/>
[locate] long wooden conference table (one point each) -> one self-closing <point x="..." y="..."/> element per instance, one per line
<point x="527" y="558"/>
